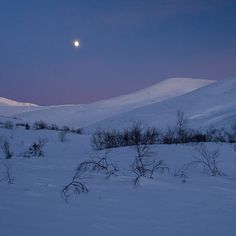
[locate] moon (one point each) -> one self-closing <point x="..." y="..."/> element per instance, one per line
<point x="76" y="43"/>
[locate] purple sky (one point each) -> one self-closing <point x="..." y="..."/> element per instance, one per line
<point x="125" y="45"/>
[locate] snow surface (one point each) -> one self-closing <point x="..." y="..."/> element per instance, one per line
<point x="89" y="114"/>
<point x="11" y="108"/>
<point x="205" y="205"/>
<point x="15" y="110"/>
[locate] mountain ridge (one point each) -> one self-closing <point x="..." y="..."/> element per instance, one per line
<point x="9" y="102"/>
<point x="88" y="114"/>
<point x="214" y="104"/>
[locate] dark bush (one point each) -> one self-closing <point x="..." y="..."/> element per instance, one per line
<point x="53" y="127"/>
<point x="169" y="136"/>
<point x="105" y="139"/>
<point x="197" y="137"/>
<point x="232" y="134"/>
<point x="24" y="125"/>
<point x="40" y="125"/>
<point x="27" y="126"/>
<point x="216" y="135"/>
<point x="77" y="131"/>
<point x="62" y="136"/>
<point x="65" y="128"/>
<point x="8" y="125"/>
<point x="6" y="148"/>
<point x="36" y="149"/>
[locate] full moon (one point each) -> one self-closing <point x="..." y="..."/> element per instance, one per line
<point x="76" y="43"/>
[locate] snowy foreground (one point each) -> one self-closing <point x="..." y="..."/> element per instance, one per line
<point x="204" y="205"/>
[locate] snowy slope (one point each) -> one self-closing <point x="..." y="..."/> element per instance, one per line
<point x="205" y="205"/>
<point x="161" y="91"/>
<point x="214" y="104"/>
<point x="9" y="107"/>
<point x="8" y="102"/>
<point x="88" y="114"/>
<point x="14" y="110"/>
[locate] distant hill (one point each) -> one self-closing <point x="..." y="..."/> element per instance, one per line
<point x="8" y="102"/>
<point x="89" y="114"/>
<point x="211" y="105"/>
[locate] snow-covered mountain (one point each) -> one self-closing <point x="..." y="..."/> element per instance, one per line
<point x="11" y="108"/>
<point x="161" y="91"/>
<point x="214" y="104"/>
<point x="8" y="102"/>
<point x="88" y="114"/>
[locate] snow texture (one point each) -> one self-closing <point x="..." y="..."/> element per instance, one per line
<point x="205" y="205"/>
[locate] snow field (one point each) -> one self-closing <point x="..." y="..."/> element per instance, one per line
<point x="204" y="205"/>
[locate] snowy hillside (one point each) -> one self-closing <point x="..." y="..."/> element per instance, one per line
<point x="185" y="189"/>
<point x="8" y="102"/>
<point x="161" y="91"/>
<point x="204" y="102"/>
<point x="11" y="108"/>
<point x="88" y="114"/>
<point x="214" y="104"/>
<point x="205" y="205"/>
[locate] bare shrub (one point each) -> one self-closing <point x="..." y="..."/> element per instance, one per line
<point x="40" y="125"/>
<point x="23" y="125"/>
<point x="181" y="127"/>
<point x="169" y="136"/>
<point x="97" y="140"/>
<point x="65" y="128"/>
<point x="181" y="122"/>
<point x="196" y="136"/>
<point x="6" y="148"/>
<point x="27" y="126"/>
<point x="8" y="176"/>
<point x="144" y="165"/>
<point x="36" y="149"/>
<point x="105" y="139"/>
<point x="234" y="148"/>
<point x="138" y="133"/>
<point x="179" y="133"/>
<point x="184" y="171"/>
<point x="216" y="135"/>
<point x="8" y="125"/>
<point x="76" y="185"/>
<point x="53" y="127"/>
<point x="78" y="131"/>
<point x="232" y="134"/>
<point x="62" y="136"/>
<point x="99" y="164"/>
<point x="208" y="159"/>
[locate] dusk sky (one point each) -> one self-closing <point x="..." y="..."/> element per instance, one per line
<point x="125" y="45"/>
